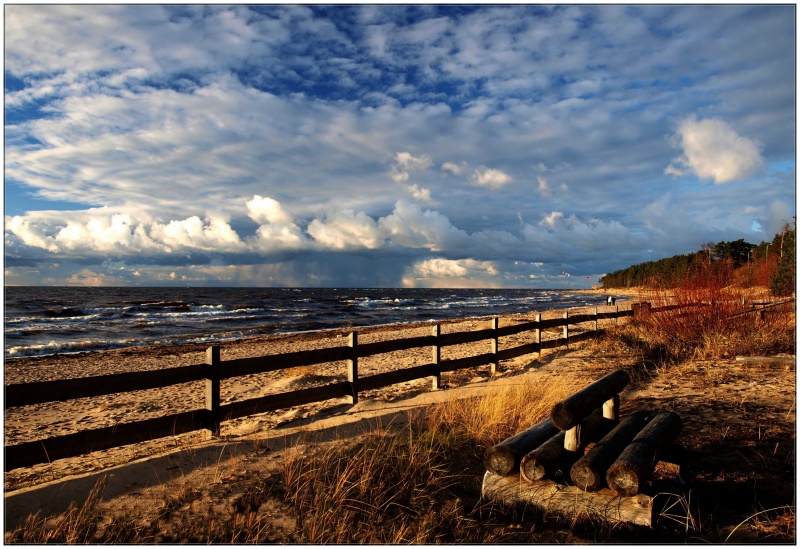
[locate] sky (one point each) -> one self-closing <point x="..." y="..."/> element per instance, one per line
<point x="515" y="146"/>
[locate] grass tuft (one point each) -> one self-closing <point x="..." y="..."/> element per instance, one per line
<point x="419" y="483"/>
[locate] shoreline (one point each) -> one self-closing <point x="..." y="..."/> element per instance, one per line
<point x="174" y="354"/>
<point x="46" y="420"/>
<point x="141" y="320"/>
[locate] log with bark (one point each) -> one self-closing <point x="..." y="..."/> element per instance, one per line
<point x="635" y="465"/>
<point x="551" y="456"/>
<point x="504" y="458"/>
<point x="589" y="472"/>
<point x="573" y="409"/>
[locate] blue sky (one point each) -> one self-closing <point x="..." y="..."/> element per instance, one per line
<point x="388" y="145"/>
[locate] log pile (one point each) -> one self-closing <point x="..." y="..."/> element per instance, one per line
<point x="584" y="457"/>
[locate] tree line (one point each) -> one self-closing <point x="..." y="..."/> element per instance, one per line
<point x="770" y="264"/>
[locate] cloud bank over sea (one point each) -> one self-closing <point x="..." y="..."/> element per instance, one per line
<point x="381" y="145"/>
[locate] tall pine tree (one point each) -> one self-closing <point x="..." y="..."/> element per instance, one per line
<point x="783" y="283"/>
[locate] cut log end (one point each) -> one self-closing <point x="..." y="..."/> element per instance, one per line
<point x="562" y="416"/>
<point x="532" y="469"/>
<point x="504" y="458"/>
<point x="624" y="482"/>
<point x="589" y="472"/>
<point x="499" y="460"/>
<point x="585" y="477"/>
<point x="634" y="467"/>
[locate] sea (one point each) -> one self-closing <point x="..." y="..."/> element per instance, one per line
<point x="54" y="320"/>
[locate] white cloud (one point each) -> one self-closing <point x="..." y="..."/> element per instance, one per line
<point x="278" y="238"/>
<point x="453" y="168"/>
<point x="409" y="226"/>
<point x="441" y="267"/>
<point x="551" y="219"/>
<point x="543" y="187"/>
<point x="29" y="233"/>
<point x="88" y="277"/>
<point x="713" y="150"/>
<point x="420" y="194"/>
<point x="267" y="210"/>
<point x="196" y="234"/>
<point x="344" y="230"/>
<point x="405" y="162"/>
<point x="449" y="273"/>
<point x="104" y="234"/>
<point x="490" y="178"/>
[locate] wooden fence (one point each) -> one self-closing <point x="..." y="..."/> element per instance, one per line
<point x="214" y="370"/>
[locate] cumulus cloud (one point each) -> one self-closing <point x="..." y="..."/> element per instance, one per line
<point x="278" y="238"/>
<point x="551" y="219"/>
<point x="420" y="194"/>
<point x="105" y="234"/>
<point x="405" y="162"/>
<point x="490" y="178"/>
<point x="277" y="230"/>
<point x="267" y="210"/>
<point x="712" y="149"/>
<point x="409" y="226"/>
<point x="197" y="234"/>
<point x="177" y="128"/>
<point x="448" y="273"/>
<point x="93" y="232"/>
<point x="29" y="233"/>
<point x="453" y="168"/>
<point x="343" y="230"/>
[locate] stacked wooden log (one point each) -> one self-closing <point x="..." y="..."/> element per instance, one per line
<point x="585" y="439"/>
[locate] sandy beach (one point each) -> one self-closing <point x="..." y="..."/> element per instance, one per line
<point x="23" y="424"/>
<point x="738" y="417"/>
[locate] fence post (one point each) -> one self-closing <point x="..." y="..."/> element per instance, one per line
<point x="566" y="330"/>
<point x="537" y="336"/>
<point x="616" y="315"/>
<point x="436" y="358"/>
<point x="596" y="321"/>
<point x="493" y="327"/>
<point x="212" y="390"/>
<point x="352" y="366"/>
<point x="641" y="309"/>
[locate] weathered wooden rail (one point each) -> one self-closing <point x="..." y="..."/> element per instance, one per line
<point x="215" y="370"/>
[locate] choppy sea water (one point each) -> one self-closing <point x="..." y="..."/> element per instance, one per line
<point x="50" y="320"/>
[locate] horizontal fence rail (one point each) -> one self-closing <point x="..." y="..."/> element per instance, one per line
<point x="215" y="370"/>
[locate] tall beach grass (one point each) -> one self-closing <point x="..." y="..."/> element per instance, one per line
<point x="418" y="483"/>
<point x="712" y="320"/>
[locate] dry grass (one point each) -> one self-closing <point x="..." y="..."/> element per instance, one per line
<point x="502" y="411"/>
<point x="414" y="483"/>
<point x="184" y="515"/>
<point x="711" y="322"/>
<point x="418" y="482"/>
